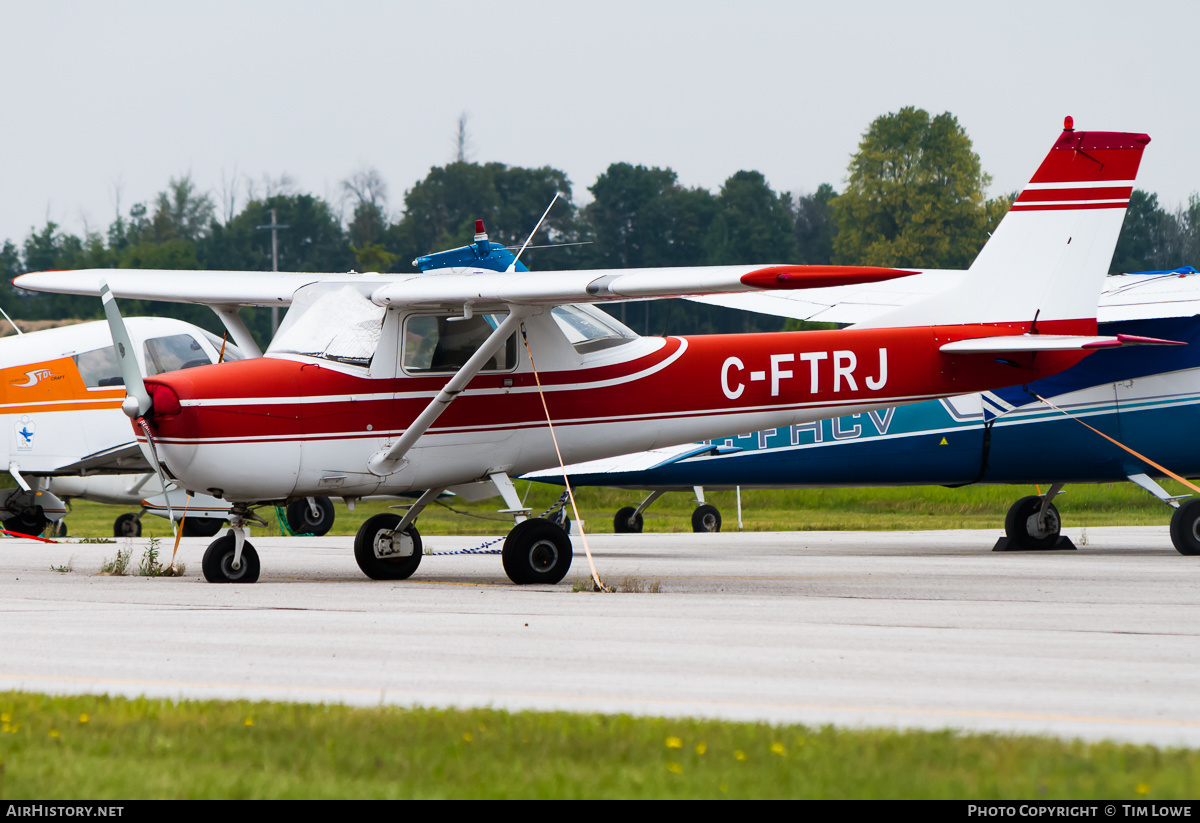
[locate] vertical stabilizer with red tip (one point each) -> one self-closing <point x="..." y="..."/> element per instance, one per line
<point x="1048" y="257"/>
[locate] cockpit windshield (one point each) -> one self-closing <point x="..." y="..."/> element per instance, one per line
<point x="337" y="322"/>
<point x="589" y="329"/>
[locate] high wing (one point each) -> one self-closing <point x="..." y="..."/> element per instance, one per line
<point x="230" y="288"/>
<point x="456" y="287"/>
<point x="1137" y="296"/>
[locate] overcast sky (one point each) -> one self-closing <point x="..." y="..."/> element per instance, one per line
<point x="108" y="100"/>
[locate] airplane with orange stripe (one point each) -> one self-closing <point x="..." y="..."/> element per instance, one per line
<point x="475" y="369"/>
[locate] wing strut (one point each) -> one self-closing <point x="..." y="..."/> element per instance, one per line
<point x="391" y="460"/>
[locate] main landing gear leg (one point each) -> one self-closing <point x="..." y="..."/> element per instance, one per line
<point x="1185" y="520"/>
<point x="230" y="558"/>
<point x="388" y="546"/>
<point x="629" y="520"/>
<point x="1033" y="524"/>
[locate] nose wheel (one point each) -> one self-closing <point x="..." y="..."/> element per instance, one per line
<point x="221" y="564"/>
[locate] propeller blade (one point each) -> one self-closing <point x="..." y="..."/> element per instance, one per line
<point x="137" y="401"/>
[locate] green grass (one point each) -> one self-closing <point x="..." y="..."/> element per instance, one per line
<point x="898" y="508"/>
<point x="110" y="748"/>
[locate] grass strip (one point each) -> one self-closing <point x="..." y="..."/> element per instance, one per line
<point x="100" y="748"/>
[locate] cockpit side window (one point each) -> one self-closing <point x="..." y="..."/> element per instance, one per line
<point x="99" y="368"/>
<point x="588" y="329"/>
<point x="444" y="343"/>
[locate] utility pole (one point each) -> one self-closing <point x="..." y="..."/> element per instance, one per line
<point x="274" y="226"/>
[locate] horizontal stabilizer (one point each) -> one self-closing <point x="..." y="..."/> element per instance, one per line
<point x="1050" y="342"/>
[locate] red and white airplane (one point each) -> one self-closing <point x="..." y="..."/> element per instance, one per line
<point x="445" y="379"/>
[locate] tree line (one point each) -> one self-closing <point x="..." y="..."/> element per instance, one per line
<point x="914" y="196"/>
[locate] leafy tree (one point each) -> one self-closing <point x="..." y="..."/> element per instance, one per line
<point x="440" y="211"/>
<point x="1150" y="238"/>
<point x="753" y="224"/>
<point x="628" y="219"/>
<point x="179" y="212"/>
<point x="313" y="240"/>
<point x="816" y="226"/>
<point x="914" y="195"/>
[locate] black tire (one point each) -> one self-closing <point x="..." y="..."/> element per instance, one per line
<point x="376" y="534"/>
<point x="1016" y="524"/>
<point x="127" y="525"/>
<point x="301" y="520"/>
<point x="203" y="526"/>
<point x="625" y="523"/>
<point x="560" y="519"/>
<point x="706" y="518"/>
<point x="1185" y="528"/>
<point x="536" y="551"/>
<point x="28" y="521"/>
<point x="218" y="561"/>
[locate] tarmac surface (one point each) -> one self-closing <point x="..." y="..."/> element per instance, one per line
<point x="896" y="629"/>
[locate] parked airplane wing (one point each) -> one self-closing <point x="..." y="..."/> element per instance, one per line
<point x="639" y="461"/>
<point x="233" y="288"/>
<point x="124" y="459"/>
<point x="448" y="287"/>
<point x="1138" y="296"/>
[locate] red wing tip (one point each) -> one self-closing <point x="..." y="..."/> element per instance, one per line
<point x="819" y="277"/>
<point x="1138" y="340"/>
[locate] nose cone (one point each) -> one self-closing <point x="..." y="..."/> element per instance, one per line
<point x="231" y="429"/>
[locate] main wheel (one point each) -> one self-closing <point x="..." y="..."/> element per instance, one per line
<point x="201" y="526"/>
<point x="377" y="544"/>
<point x="626" y="523"/>
<point x="218" y="561"/>
<point x="1021" y="524"/>
<point x="1185" y="528"/>
<point x="706" y="518"/>
<point x="127" y="525"/>
<point x="536" y="551"/>
<point x="301" y="519"/>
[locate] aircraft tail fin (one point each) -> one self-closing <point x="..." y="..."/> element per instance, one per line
<point x="1045" y="264"/>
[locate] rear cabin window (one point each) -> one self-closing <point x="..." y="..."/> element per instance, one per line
<point x="440" y="343"/>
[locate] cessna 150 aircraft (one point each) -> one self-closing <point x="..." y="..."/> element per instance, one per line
<point x="448" y="379"/>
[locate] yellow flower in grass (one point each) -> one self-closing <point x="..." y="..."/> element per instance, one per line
<point x="248" y="722"/>
<point x="701" y="748"/>
<point x="674" y="768"/>
<point x="1142" y="788"/>
<point x="83" y="718"/>
<point x="777" y="748"/>
<point x="674" y="743"/>
<point x="739" y="755"/>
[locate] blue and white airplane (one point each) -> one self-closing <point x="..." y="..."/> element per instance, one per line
<point x="1147" y="399"/>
